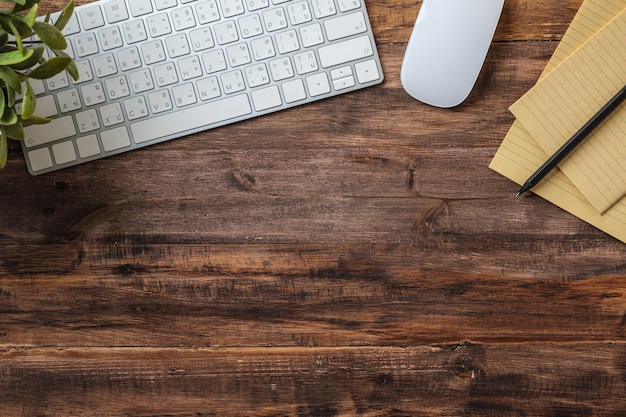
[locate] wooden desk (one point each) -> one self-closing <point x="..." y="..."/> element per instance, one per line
<point x="352" y="257"/>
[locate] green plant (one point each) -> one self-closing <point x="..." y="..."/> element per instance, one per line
<point x="23" y="41"/>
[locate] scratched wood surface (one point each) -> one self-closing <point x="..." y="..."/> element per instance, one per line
<point x="353" y="257"/>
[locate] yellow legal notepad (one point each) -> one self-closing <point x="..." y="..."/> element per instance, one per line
<point x="527" y="145"/>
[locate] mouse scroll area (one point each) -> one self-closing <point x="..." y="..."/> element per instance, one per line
<point x="447" y="48"/>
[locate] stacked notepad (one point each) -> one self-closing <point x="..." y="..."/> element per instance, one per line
<point x="587" y="69"/>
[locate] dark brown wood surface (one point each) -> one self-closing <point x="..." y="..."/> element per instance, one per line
<point x="352" y="257"/>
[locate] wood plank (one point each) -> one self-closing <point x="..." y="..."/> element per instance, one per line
<point x="467" y="379"/>
<point x="136" y="294"/>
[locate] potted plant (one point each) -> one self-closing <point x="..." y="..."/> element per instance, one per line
<point x="23" y="42"/>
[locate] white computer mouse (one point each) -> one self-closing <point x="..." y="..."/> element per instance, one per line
<point x="447" y="49"/>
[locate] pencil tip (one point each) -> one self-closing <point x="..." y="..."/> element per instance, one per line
<point x="527" y="186"/>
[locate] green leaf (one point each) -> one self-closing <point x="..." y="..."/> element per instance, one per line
<point x="11" y="78"/>
<point x="22" y="27"/>
<point x="10" y="96"/>
<point x="30" y="62"/>
<point x="50" y="68"/>
<point x="4" y="150"/>
<point x="2" y="101"/>
<point x="31" y="16"/>
<point x="72" y="69"/>
<point x="4" y="39"/>
<point x="15" y="57"/>
<point x="15" y="131"/>
<point x="18" y="39"/>
<point x="65" y="15"/>
<point x="29" y="103"/>
<point x="21" y="5"/>
<point x="35" y="120"/>
<point x="50" y="35"/>
<point x="9" y="117"/>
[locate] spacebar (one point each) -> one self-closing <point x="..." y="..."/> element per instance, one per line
<point x="192" y="118"/>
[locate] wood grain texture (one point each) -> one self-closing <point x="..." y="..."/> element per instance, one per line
<point x="352" y="257"/>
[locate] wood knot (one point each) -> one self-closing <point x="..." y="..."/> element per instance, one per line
<point x="463" y="367"/>
<point x="245" y="180"/>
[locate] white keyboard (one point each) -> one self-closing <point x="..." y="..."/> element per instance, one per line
<point x="155" y="70"/>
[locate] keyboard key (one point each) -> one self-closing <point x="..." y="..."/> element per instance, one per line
<point x="345" y="51"/>
<point x="93" y="94"/>
<point x="164" y="4"/>
<point x="233" y="82"/>
<point x="111" y="114"/>
<point x="46" y="106"/>
<point x="134" y="31"/>
<point x="60" y="128"/>
<point x="72" y="26"/>
<point x="305" y="62"/>
<point x="266" y="98"/>
<point x="104" y="65"/>
<point x="110" y="38"/>
<point x="344" y="26"/>
<point x="86" y="45"/>
<point x="257" y="75"/>
<point x="207" y="12"/>
<point x="367" y="71"/>
<point x="59" y="81"/>
<point x="69" y="100"/>
<point x="129" y="58"/>
<point x="84" y="72"/>
<point x="88" y="146"/>
<point x="160" y="101"/>
<point x="205" y="115"/>
<point x="294" y="91"/>
<point x="281" y="69"/>
<point x="287" y="41"/>
<point x="311" y="35"/>
<point x="345" y="5"/>
<point x="253" y="5"/>
<point x="87" y="121"/>
<point x="183" y="18"/>
<point x="159" y="25"/>
<point x="231" y="8"/>
<point x="117" y="87"/>
<point x="140" y="7"/>
<point x="64" y="152"/>
<point x="208" y="88"/>
<point x="115" y="139"/>
<point x="323" y="8"/>
<point x="275" y="19"/>
<point x="115" y="11"/>
<point x="189" y="68"/>
<point x="40" y="159"/>
<point x="226" y="32"/>
<point x="184" y="95"/>
<point x="201" y="39"/>
<point x="299" y="13"/>
<point x="153" y="52"/>
<point x="318" y="84"/>
<point x="250" y="26"/>
<point x="91" y="17"/>
<point x="136" y="108"/>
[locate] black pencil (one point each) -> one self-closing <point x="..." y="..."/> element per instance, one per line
<point x="578" y="137"/>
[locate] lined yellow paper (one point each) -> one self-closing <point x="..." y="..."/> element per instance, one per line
<point x="519" y="155"/>
<point x="568" y="97"/>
